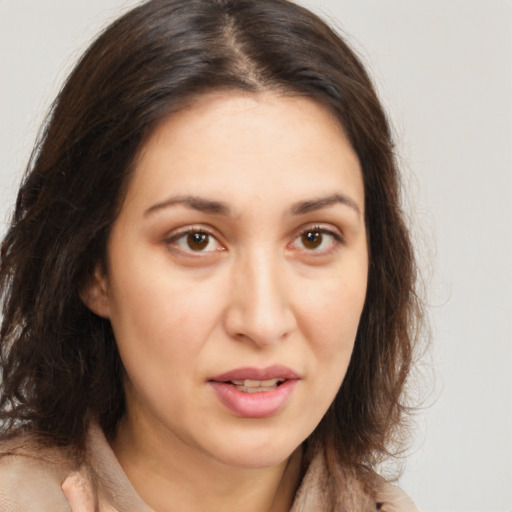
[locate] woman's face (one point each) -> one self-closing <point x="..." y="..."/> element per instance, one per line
<point x="236" y="276"/>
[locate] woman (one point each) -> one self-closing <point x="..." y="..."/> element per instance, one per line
<point x="208" y="286"/>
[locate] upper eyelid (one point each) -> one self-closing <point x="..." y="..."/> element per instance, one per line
<point x="179" y="232"/>
<point x="322" y="227"/>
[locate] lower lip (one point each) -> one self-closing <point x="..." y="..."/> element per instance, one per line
<point x="254" y="405"/>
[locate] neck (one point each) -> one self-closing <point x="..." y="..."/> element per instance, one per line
<point x="165" y="474"/>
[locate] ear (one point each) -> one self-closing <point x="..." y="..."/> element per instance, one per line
<point x="94" y="294"/>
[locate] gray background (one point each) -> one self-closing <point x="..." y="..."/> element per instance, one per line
<point x="444" y="70"/>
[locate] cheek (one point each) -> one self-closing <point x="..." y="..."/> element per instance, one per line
<point x="161" y="318"/>
<point x="330" y="325"/>
<point x="332" y="313"/>
<point x="159" y="337"/>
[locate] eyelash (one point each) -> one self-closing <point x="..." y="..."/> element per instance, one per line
<point x="319" y="230"/>
<point x="172" y="240"/>
<point x="200" y="230"/>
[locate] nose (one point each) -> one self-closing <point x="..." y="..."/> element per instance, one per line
<point x="259" y="308"/>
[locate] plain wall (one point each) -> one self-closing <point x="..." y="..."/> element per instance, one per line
<point x="444" y="70"/>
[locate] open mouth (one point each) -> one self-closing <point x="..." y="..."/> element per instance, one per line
<point x="254" y="392"/>
<point x="256" y="386"/>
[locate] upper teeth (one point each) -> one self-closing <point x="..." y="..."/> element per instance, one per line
<point x="256" y="386"/>
<point x="248" y="383"/>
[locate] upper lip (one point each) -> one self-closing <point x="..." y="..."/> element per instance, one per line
<point x="251" y="373"/>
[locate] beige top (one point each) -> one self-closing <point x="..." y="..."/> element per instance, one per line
<point x="31" y="479"/>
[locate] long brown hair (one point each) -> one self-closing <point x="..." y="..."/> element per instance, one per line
<point x="59" y="361"/>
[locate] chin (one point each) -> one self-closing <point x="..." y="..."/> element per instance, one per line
<point x="251" y="450"/>
<point x="259" y="459"/>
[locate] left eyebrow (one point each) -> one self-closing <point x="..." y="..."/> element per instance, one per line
<point x="302" y="207"/>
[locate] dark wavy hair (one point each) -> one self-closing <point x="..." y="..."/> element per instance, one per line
<point x="59" y="361"/>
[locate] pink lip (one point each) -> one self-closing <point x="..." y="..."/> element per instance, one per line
<point x="271" y="372"/>
<point x="255" y="405"/>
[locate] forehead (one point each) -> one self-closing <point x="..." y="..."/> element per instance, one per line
<point x="244" y="145"/>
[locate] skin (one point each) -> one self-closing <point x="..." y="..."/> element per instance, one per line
<point x="257" y="291"/>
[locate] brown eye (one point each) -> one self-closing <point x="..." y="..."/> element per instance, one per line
<point x="316" y="240"/>
<point x="312" y="239"/>
<point x="197" y="241"/>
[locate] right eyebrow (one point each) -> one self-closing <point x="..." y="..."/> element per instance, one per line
<point x="200" y="204"/>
